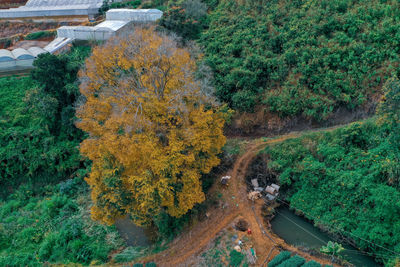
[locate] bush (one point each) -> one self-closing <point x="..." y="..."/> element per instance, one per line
<point x="41" y="34"/>
<point x="312" y="264"/>
<point x="126" y="4"/>
<point x="50" y="228"/>
<point x="294" y="261"/>
<point x="284" y="255"/>
<point x="236" y="258"/>
<point x="38" y="139"/>
<point x="151" y="264"/>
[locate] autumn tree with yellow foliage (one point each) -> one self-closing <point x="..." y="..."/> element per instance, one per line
<point x="152" y="130"/>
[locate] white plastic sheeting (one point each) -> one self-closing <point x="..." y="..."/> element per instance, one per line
<point x="52" y="8"/>
<point x="18" y="58"/>
<point x="36" y="51"/>
<point x="6" y="55"/>
<point x="137" y="15"/>
<point x="116" y="21"/>
<point x="43" y="3"/>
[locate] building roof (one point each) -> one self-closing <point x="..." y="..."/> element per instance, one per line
<point x="6" y="55"/>
<point x="113" y="25"/>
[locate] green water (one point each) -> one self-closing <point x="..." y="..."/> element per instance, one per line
<point x="132" y="234"/>
<point x="297" y="231"/>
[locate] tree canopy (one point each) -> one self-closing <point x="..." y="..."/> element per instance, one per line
<point x="152" y="128"/>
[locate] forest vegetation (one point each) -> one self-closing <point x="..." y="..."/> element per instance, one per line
<point x="137" y="128"/>
<point x="348" y="180"/>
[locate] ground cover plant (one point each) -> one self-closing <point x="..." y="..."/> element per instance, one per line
<point x="302" y="57"/>
<point x="348" y="179"/>
<point x="40" y="34"/>
<point x="53" y="226"/>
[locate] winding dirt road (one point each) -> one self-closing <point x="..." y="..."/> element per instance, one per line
<point x="195" y="240"/>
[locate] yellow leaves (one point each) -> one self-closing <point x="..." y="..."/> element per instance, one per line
<point x="151" y="136"/>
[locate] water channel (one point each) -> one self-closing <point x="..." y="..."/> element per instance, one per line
<point x="297" y="231"/>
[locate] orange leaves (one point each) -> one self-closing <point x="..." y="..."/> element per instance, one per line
<point x="150" y="135"/>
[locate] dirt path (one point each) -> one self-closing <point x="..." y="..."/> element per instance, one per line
<point x="192" y="242"/>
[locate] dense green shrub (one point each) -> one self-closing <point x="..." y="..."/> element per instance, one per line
<point x="302" y="57"/>
<point x="151" y="264"/>
<point x="284" y="255"/>
<point x="53" y="227"/>
<point x="294" y="261"/>
<point x="312" y="264"/>
<point x="41" y="34"/>
<point x="38" y="139"/>
<point x="235" y="258"/>
<point x="348" y="179"/>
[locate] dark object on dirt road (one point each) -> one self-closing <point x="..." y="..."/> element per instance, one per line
<point x="225" y="180"/>
<point x="242" y="225"/>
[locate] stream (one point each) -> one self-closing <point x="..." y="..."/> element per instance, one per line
<point x="297" y="231"/>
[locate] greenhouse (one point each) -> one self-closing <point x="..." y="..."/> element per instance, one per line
<point x="117" y="21"/>
<point x="18" y="58"/>
<point x="53" y="8"/>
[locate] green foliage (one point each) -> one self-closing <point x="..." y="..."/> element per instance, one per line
<point x="312" y="264"/>
<point x="302" y="57"/>
<point x="332" y="248"/>
<point x="151" y="264"/>
<point x="347" y="180"/>
<point x="52" y="227"/>
<point x="39" y="141"/>
<point x="125" y="4"/>
<point x="281" y="257"/>
<point x="389" y="109"/>
<point x="187" y="18"/>
<point x="294" y="261"/>
<point x="235" y="258"/>
<point x="40" y="34"/>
